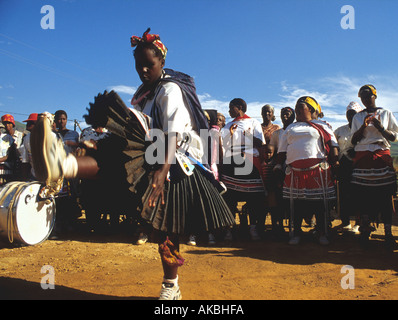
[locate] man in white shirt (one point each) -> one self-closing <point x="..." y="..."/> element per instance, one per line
<point x="13" y="160"/>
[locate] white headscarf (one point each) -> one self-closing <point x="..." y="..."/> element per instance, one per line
<point x="355" y="106"/>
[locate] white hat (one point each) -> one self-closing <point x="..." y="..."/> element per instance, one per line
<point x="355" y="106"/>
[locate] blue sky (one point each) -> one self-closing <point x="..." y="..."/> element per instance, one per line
<point x="264" y="51"/>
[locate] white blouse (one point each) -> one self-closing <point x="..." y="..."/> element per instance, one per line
<point x="372" y="139"/>
<point x="301" y="141"/>
<point x="242" y="140"/>
<point x="175" y="116"/>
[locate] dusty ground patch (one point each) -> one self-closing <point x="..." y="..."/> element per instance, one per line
<point x="111" y="267"/>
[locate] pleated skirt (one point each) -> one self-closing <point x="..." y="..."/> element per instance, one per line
<point x="192" y="205"/>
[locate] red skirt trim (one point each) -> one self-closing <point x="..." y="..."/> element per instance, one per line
<point x="309" y="181"/>
<point x="376" y="160"/>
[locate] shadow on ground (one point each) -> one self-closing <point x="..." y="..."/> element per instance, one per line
<point x="17" y="289"/>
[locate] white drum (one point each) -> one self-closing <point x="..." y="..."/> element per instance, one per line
<point x="24" y="217"/>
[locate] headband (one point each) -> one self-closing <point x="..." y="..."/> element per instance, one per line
<point x="367" y="87"/>
<point x="293" y="115"/>
<point x="288" y="108"/>
<point x="311" y="102"/>
<point x="149" y="38"/>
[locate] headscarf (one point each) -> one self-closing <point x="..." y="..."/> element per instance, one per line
<point x="367" y="87"/>
<point x="289" y="108"/>
<point x="310" y="102"/>
<point x="149" y="38"/>
<point x="355" y="106"/>
<point x="8" y="118"/>
<point x="292" y="117"/>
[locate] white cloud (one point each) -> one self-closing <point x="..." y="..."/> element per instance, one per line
<point x="7" y="86"/>
<point x="123" y="89"/>
<point x="333" y="93"/>
<point x="208" y="102"/>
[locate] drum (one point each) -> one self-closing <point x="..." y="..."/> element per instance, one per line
<point x="24" y="217"/>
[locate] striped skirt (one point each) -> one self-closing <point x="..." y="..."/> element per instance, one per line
<point x="373" y="169"/>
<point x="309" y="179"/>
<point x="249" y="181"/>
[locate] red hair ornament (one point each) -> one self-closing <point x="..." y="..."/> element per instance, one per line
<point x="149" y="38"/>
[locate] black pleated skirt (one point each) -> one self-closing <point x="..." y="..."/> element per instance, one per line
<point x="192" y="203"/>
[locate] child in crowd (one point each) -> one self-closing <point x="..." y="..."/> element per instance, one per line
<point x="274" y="193"/>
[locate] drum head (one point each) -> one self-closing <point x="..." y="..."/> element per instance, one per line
<point x="33" y="219"/>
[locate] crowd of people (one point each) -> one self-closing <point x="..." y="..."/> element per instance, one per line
<point x="17" y="164"/>
<point x="294" y="173"/>
<point x="297" y="175"/>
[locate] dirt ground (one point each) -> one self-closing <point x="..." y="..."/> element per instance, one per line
<point x="92" y="266"/>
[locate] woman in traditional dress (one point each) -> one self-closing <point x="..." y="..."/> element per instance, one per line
<point x="309" y="148"/>
<point x="374" y="176"/>
<point x="174" y="201"/>
<point x="240" y="170"/>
